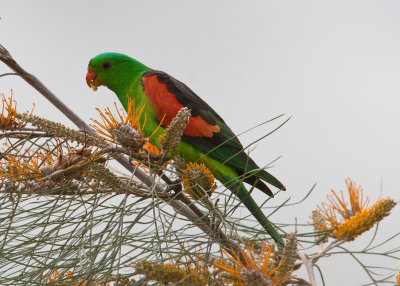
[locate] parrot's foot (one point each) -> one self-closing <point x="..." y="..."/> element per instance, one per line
<point x="175" y="186"/>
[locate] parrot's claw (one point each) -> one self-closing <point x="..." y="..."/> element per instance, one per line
<point x="175" y="186"/>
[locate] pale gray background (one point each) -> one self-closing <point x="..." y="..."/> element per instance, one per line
<point x="334" y="66"/>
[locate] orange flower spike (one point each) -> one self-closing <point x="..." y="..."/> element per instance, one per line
<point x="261" y="269"/>
<point x="8" y="121"/>
<point x="18" y="169"/>
<point x="357" y="218"/>
<point x="363" y="220"/>
<point x="339" y="205"/>
<point x="109" y="122"/>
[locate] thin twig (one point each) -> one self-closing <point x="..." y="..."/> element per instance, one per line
<point x="21" y="134"/>
<point x="324" y="251"/>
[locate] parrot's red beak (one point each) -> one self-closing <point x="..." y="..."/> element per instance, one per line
<point x="91" y="80"/>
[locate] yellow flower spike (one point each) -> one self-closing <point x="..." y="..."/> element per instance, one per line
<point x="198" y="181"/>
<point x="261" y="271"/>
<point x="167" y="274"/>
<point x="363" y="220"/>
<point x="356" y="215"/>
<point x="398" y="278"/>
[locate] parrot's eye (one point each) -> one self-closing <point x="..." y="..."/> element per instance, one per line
<point x="106" y="65"/>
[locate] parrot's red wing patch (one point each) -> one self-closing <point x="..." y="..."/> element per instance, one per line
<point x="167" y="106"/>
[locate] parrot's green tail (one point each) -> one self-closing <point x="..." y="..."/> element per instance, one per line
<point x="237" y="187"/>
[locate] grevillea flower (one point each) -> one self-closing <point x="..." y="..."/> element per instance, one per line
<point x="125" y="129"/>
<point x="8" y="115"/>
<point x="254" y="269"/>
<point x="173" y="133"/>
<point x="289" y="255"/>
<point x="110" y="123"/>
<point x="17" y="169"/>
<point x="363" y="220"/>
<point x="23" y="170"/>
<point x="168" y="274"/>
<point x="348" y="219"/>
<point x="198" y="181"/>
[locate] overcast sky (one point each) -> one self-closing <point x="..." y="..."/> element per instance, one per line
<point x="334" y="67"/>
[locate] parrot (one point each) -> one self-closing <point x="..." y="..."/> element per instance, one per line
<point x="206" y="139"/>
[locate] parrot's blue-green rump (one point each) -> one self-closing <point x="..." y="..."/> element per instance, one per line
<point x="206" y="139"/>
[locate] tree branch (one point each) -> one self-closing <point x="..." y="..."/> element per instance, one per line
<point x="309" y="267"/>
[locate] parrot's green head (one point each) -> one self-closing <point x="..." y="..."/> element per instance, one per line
<point x="113" y="70"/>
